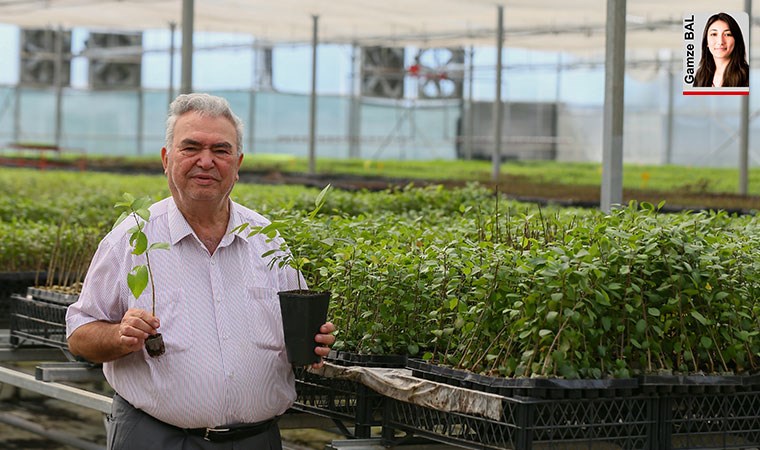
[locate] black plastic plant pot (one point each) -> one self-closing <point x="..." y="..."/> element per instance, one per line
<point x="154" y="344"/>
<point x="303" y="313"/>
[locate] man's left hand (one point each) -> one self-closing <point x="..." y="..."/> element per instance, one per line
<point x="326" y="339"/>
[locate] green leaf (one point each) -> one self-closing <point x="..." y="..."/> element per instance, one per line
<point x="121" y="218"/>
<point x="240" y="228"/>
<point x="602" y="298"/>
<point x="137" y="280"/>
<point x="706" y="342"/>
<point x="653" y="312"/>
<point x="702" y="319"/>
<point x="159" y="246"/>
<point x="144" y="214"/>
<point x="139" y="242"/>
<point x="142" y="203"/>
<point x="269" y="252"/>
<point x="319" y="202"/>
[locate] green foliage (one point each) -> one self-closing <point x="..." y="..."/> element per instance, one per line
<point x="470" y="279"/>
<point x="288" y="253"/>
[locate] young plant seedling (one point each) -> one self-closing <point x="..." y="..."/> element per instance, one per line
<point x="303" y="311"/>
<point x="283" y="256"/>
<point x="141" y="274"/>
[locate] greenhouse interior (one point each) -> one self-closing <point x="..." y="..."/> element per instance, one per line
<point x="537" y="226"/>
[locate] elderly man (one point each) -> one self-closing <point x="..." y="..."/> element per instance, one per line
<point x="224" y="378"/>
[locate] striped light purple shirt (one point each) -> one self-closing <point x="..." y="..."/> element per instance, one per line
<point x="225" y="358"/>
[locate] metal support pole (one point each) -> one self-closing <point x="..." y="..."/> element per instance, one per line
<point x="252" y="98"/>
<point x="57" y="391"/>
<point x="744" y="129"/>
<point x="313" y="98"/>
<point x="140" y="119"/>
<point x="354" y="105"/>
<point x="668" y="156"/>
<point x="251" y="120"/>
<point x="470" y="105"/>
<point x="496" y="156"/>
<point x="188" y="15"/>
<point x="17" y="114"/>
<point x="558" y="81"/>
<point x="172" y="28"/>
<point x="614" y="77"/>
<point x="58" y="81"/>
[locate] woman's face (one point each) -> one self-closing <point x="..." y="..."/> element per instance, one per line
<point x="719" y="40"/>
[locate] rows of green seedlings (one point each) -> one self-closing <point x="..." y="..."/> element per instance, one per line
<point x="468" y="280"/>
<point x="525" y="292"/>
<point x="36" y="206"/>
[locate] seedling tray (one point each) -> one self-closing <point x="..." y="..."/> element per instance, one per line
<point x="357" y="359"/>
<point x="540" y="388"/>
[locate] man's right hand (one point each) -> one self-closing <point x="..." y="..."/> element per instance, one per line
<point x="100" y="341"/>
<point x="135" y="327"/>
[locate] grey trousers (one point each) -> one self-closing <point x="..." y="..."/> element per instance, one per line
<point x="129" y="428"/>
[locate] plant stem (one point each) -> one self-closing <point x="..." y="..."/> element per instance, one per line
<point x="152" y="286"/>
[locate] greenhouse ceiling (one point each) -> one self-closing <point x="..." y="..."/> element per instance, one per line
<point x="576" y="26"/>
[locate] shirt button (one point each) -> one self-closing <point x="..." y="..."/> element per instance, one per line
<point x="213" y="263"/>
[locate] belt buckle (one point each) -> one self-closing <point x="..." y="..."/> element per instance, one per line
<point x="207" y="436"/>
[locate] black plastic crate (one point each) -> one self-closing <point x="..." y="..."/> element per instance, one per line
<point x="707" y="412"/>
<point x="15" y="283"/>
<point x="626" y="423"/>
<point x="340" y="400"/>
<point x="38" y="320"/>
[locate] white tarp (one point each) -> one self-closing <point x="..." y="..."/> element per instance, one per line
<point x="399" y="384"/>
<point x="538" y="24"/>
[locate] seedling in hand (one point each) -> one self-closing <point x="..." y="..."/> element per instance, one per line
<point x="142" y="274"/>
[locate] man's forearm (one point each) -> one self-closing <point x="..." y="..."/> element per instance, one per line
<point x="97" y="342"/>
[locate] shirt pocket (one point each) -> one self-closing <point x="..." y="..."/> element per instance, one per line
<point x="265" y="330"/>
<point x="176" y="322"/>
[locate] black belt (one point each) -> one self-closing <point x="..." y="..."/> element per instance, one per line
<point x="232" y="432"/>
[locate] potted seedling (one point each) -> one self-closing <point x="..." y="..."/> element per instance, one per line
<point x="142" y="274"/>
<point x="303" y="310"/>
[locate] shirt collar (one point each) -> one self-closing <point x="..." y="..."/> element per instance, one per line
<point x="180" y="229"/>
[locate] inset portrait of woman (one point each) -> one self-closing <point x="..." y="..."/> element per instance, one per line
<point x="724" y="54"/>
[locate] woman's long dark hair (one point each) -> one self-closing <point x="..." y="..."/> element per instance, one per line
<point x="737" y="71"/>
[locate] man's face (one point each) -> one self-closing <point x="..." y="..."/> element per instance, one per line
<point x="203" y="163"/>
